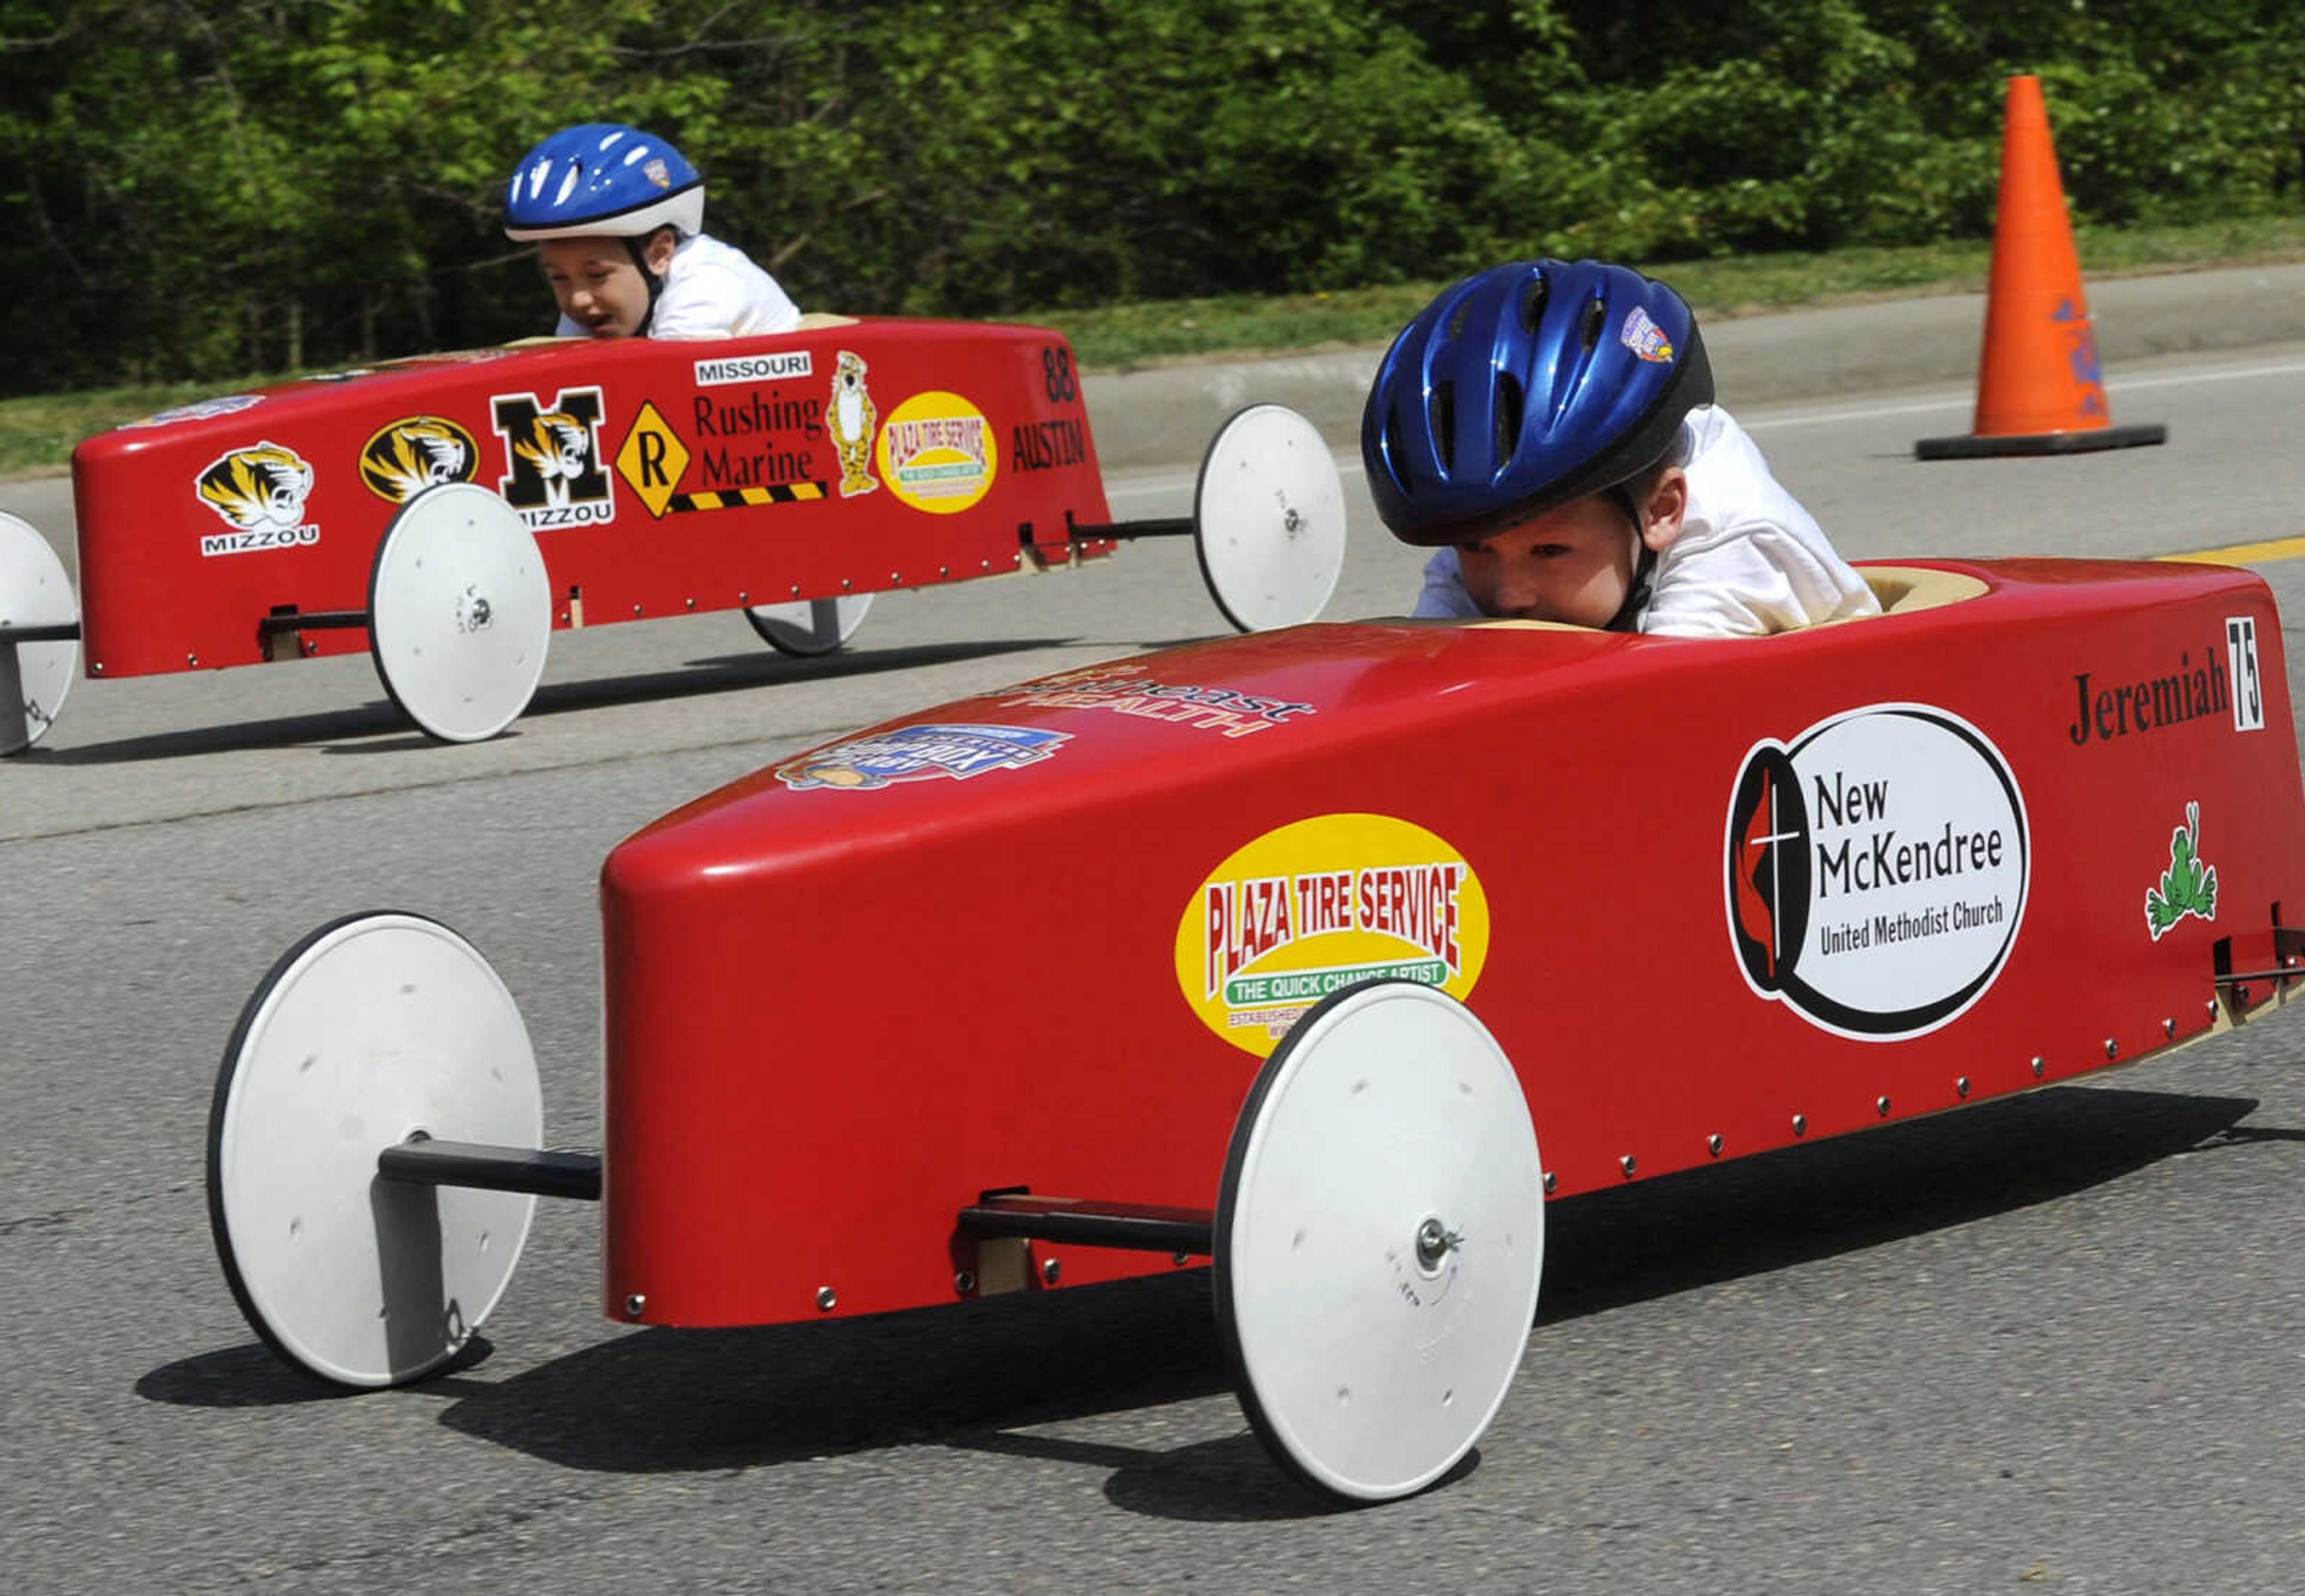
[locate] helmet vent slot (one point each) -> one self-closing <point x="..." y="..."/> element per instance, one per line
<point x="1396" y="447"/>
<point x="1444" y="423"/>
<point x="1596" y="315"/>
<point x="1532" y="304"/>
<point x="1508" y="406"/>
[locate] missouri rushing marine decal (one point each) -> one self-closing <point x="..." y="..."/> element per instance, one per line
<point x="407" y="457"/>
<point x="259" y="491"/>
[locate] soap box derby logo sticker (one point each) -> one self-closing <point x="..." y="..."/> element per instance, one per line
<point x="259" y="491"/>
<point x="1317" y="905"/>
<point x="927" y="752"/>
<point x="1877" y="866"/>
<point x="407" y="457"/>
<point x="200" y="409"/>
<point x="553" y="475"/>
<point x="938" y="453"/>
<point x="1131" y="690"/>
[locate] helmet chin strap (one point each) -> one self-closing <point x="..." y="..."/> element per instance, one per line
<point x="639" y="248"/>
<point x="1636" y="593"/>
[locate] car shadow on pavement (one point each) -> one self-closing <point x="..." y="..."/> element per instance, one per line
<point x="378" y="726"/>
<point x="1775" y="1209"/>
<point x="980" y="1376"/>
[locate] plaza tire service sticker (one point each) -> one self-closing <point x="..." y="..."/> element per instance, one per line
<point x="1317" y="905"/>
<point x="937" y="453"/>
<point x="1878" y="867"/>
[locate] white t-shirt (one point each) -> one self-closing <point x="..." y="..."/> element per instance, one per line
<point x="712" y="290"/>
<point x="1749" y="560"/>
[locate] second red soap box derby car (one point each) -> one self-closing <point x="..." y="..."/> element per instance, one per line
<point x="447" y="513"/>
<point x="1259" y="950"/>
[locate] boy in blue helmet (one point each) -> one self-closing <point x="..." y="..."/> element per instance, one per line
<point x="618" y="216"/>
<point x="1549" y="426"/>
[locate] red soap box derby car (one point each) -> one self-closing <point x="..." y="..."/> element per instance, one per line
<point x="447" y="512"/>
<point x="2038" y="819"/>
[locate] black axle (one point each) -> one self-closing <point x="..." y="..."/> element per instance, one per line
<point x="542" y="1172"/>
<point x="1134" y="1227"/>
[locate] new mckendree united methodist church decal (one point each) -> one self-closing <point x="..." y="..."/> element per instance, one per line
<point x="1877" y="869"/>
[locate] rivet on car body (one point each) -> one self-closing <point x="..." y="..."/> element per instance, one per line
<point x="944" y="571"/>
<point x="634" y="1305"/>
<point x="1960" y="1086"/>
<point x="2112" y="1048"/>
<point x="691" y="604"/>
<point x="1551" y="1180"/>
<point x="1800" y="1124"/>
<point x="1180" y="1259"/>
<point x="192" y="660"/>
<point x="964" y="1283"/>
<point x="96" y="667"/>
<point x="1052" y="1270"/>
<point x="2169" y="1026"/>
<point x="743" y="597"/>
<point x="1627" y="1165"/>
<point x="2037" y="1067"/>
<point x="795" y="590"/>
<point x="1881" y="1105"/>
<point x="843" y="584"/>
<point x="827" y="1299"/>
<point x="1713" y="1144"/>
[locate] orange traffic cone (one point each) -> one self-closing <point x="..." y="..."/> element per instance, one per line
<point x="2040" y="390"/>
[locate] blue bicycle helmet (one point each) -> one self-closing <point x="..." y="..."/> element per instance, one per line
<point x="1523" y="388"/>
<point x="602" y="178"/>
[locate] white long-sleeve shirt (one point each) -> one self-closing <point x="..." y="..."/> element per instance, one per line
<point x="1749" y="559"/>
<point x="712" y="290"/>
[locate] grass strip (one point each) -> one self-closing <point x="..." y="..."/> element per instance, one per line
<point x="37" y="434"/>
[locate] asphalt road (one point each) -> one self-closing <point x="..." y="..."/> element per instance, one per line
<point x="2048" y="1341"/>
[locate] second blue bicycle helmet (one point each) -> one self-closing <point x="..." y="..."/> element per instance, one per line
<point x="602" y="178"/>
<point x="1523" y="388"/>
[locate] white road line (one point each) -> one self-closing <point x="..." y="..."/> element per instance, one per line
<point x="2118" y="386"/>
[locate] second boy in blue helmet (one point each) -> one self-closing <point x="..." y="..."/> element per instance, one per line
<point x="617" y="215"/>
<point x="1549" y="426"/>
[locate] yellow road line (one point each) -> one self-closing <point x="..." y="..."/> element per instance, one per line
<point x="2243" y="554"/>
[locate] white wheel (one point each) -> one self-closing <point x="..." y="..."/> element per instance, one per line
<point x="459" y="612"/>
<point x="371" y="1030"/>
<point x="34" y="676"/>
<point x="1269" y="519"/>
<point x="808" y="627"/>
<point x="1379" y="1236"/>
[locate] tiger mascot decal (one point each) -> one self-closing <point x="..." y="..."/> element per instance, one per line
<point x="407" y="457"/>
<point x="852" y="421"/>
<point x="559" y="449"/>
<point x="258" y="488"/>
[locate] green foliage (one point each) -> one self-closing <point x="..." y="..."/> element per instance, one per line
<point x="196" y="188"/>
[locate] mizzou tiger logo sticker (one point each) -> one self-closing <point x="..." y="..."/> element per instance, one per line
<point x="553" y="473"/>
<point x="258" y="491"/>
<point x="409" y="456"/>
